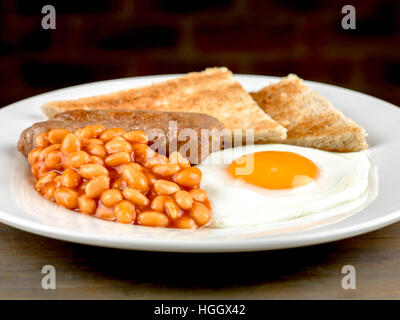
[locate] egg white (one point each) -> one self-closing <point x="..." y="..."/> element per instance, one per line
<point x="343" y="186"/>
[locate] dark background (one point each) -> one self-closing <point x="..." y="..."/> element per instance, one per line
<point x="99" y="40"/>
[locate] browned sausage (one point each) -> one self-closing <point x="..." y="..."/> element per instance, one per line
<point x="148" y="118"/>
<point x="165" y="136"/>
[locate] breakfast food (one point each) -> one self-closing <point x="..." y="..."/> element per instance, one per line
<point x="276" y="183"/>
<point x="114" y="175"/>
<point x="149" y="121"/>
<point x="310" y="119"/>
<point x="117" y="157"/>
<point x="213" y="91"/>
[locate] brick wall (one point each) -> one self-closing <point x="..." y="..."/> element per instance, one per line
<point x="98" y="40"/>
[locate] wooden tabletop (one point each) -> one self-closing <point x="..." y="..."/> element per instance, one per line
<point x="85" y="272"/>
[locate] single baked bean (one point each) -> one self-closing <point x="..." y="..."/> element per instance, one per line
<point x="119" y="184"/>
<point x="33" y="156"/>
<point x="185" y="222"/>
<point x="97" y="186"/>
<point x="90" y="131"/>
<point x="90" y="171"/>
<point x="111" y="197"/>
<point x="172" y="209"/>
<point x="86" y="205"/>
<point x="153" y="219"/>
<point x="97" y="129"/>
<point x="77" y="159"/>
<point x="135" y="179"/>
<point x="151" y="178"/>
<point x="44" y="179"/>
<point x="57" y="135"/>
<point x="66" y="197"/>
<point x="41" y="170"/>
<point x="79" y="133"/>
<point x="48" y="191"/>
<point x="200" y="213"/>
<point x="117" y="159"/>
<point x="82" y="187"/>
<point x="97" y="160"/>
<point x="166" y="170"/>
<point x="53" y="160"/>
<point x="119" y="138"/>
<point x="198" y="194"/>
<point x="41" y="140"/>
<point x="135" y="165"/>
<point x="96" y="150"/>
<point x="125" y="212"/>
<point x="142" y="152"/>
<point x="88" y="142"/>
<point x="70" y="178"/>
<point x="136" y="197"/>
<point x="158" y="203"/>
<point x="177" y="158"/>
<point x="165" y="187"/>
<point x="105" y="213"/>
<point x="136" y="136"/>
<point x="188" y="177"/>
<point x="114" y="146"/>
<point x="48" y="149"/>
<point x="153" y="161"/>
<point x="109" y="134"/>
<point x="57" y="181"/>
<point x="70" y="144"/>
<point x="183" y="199"/>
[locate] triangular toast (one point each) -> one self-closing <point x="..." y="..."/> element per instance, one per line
<point x="213" y="91"/>
<point x="310" y="119"/>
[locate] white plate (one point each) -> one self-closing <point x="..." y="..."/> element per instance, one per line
<point x="23" y="208"/>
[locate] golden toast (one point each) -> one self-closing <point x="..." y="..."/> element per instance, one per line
<point x="310" y="119"/>
<point x="213" y="91"/>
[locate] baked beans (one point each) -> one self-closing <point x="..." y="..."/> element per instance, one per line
<point x="184" y="199"/>
<point x="117" y="159"/>
<point x="96" y="150"/>
<point x="41" y="140"/>
<point x="136" y="136"/>
<point x="70" y="143"/>
<point x="188" y="177"/>
<point x="177" y="158"/>
<point x="111" y="197"/>
<point x="57" y="135"/>
<point x="114" y="175"/>
<point x="70" y="178"/>
<point x="77" y="159"/>
<point x="162" y="186"/>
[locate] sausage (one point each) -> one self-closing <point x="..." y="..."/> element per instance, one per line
<point x="147" y="118"/>
<point x="167" y="131"/>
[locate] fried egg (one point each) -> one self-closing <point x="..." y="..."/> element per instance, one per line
<point x="265" y="184"/>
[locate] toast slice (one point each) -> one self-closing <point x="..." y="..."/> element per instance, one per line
<point x="213" y="91"/>
<point x="310" y="119"/>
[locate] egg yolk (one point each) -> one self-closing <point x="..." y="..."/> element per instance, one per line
<point x="274" y="169"/>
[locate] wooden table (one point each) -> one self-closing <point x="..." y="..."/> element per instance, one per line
<point x="85" y="272"/>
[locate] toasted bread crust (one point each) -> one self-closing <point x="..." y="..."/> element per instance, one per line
<point x="213" y="92"/>
<point x="310" y="119"/>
